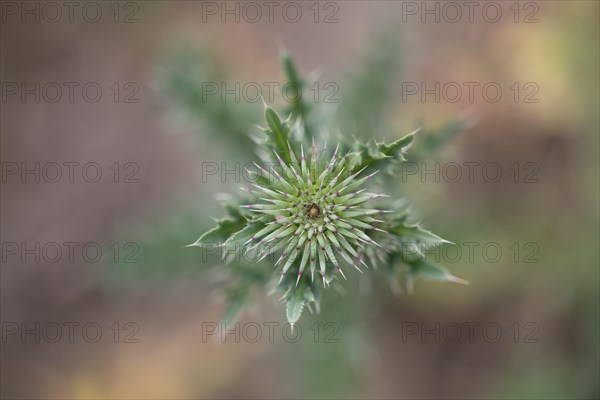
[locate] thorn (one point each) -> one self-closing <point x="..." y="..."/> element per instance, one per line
<point x="355" y="266"/>
<point x="278" y="158"/>
<point x="362" y="261"/>
<point x="374" y="242"/>
<point x="335" y="153"/>
<point x="280" y="259"/>
<point x="458" y="280"/>
<point x="416" y="131"/>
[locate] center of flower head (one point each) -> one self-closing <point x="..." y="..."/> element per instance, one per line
<point x="313" y="211"/>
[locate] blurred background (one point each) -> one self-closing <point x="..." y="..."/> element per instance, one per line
<point x="138" y="304"/>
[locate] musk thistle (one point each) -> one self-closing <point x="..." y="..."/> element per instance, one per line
<point x="312" y="212"/>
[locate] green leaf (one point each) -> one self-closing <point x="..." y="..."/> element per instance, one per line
<point x="381" y="155"/>
<point x="219" y="234"/>
<point x="299" y="109"/>
<point x="234" y="211"/>
<point x="290" y="68"/>
<point x="294" y="307"/>
<point x="251" y="229"/>
<point x="278" y="134"/>
<point x="396" y="148"/>
<point x="426" y="269"/>
<point x="417" y="234"/>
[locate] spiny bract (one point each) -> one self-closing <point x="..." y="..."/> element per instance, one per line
<point x="316" y="215"/>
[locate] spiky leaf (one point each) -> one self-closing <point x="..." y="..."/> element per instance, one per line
<point x="278" y="133"/>
<point x="380" y="155"/>
<point x="427" y="269"/>
<point x="294" y="307"/>
<point x="219" y="234"/>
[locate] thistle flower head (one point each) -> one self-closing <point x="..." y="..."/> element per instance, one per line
<point x="311" y="212"/>
<point x="315" y="213"/>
